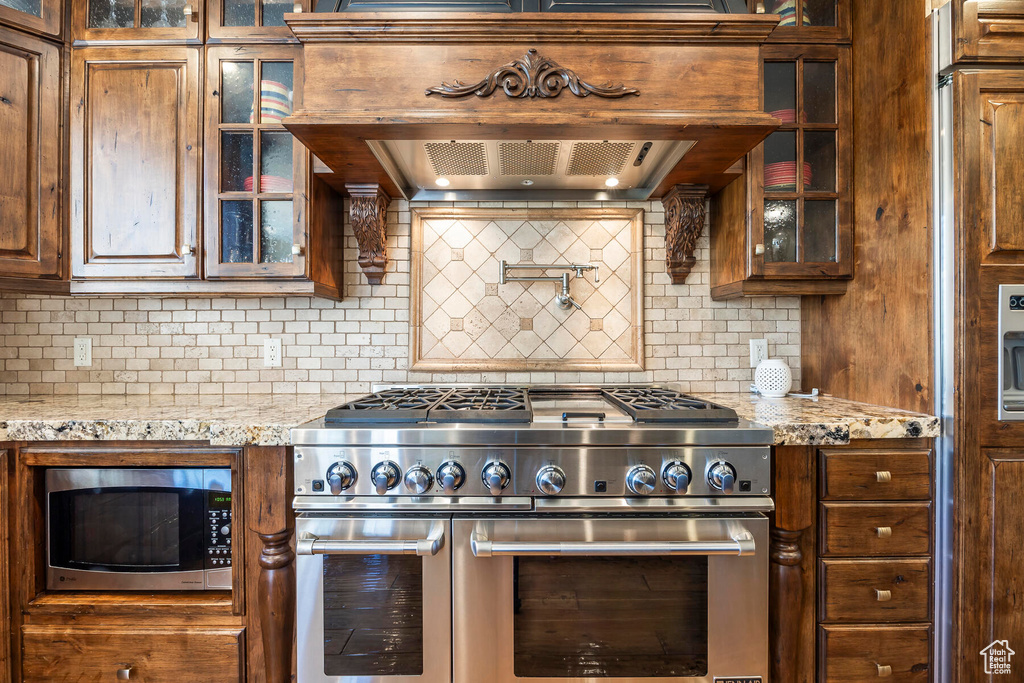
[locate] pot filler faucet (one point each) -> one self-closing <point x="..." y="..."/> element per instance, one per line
<point x="564" y="298"/>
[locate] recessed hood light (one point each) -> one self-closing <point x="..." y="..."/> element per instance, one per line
<point x="443" y="182"/>
<point x="611" y="182"/>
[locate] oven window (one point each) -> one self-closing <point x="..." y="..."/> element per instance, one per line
<point x="611" y="617"/>
<point x="373" y="615"/>
<point x="126" y="529"/>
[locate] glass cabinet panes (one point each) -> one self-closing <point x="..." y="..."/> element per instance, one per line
<point x="252" y="19"/>
<point x="257" y="166"/>
<point x="162" y="13"/>
<point x="795" y="13"/>
<point x="111" y="13"/>
<point x="33" y="7"/>
<point x="801" y="172"/>
<point x="136" y="19"/>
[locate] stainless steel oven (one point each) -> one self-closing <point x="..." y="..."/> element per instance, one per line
<point x="138" y="529"/>
<point x="610" y="599"/>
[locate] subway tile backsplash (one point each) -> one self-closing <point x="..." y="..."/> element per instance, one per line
<point x="215" y="345"/>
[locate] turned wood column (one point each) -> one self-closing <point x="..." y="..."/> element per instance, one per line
<point x="368" y="213"/>
<point x="685" y="215"/>
<point x="791" y="585"/>
<point x="277" y="604"/>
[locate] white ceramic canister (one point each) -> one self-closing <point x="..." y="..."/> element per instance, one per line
<point x="773" y="378"/>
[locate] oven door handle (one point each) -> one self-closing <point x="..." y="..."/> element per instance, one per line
<point x="310" y="544"/>
<point x="742" y="544"/>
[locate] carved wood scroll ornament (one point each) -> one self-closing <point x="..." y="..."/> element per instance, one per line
<point x="684" y="221"/>
<point x="368" y="212"/>
<point x="531" y="76"/>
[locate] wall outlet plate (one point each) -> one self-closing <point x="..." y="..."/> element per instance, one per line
<point x="272" y="353"/>
<point x="758" y="351"/>
<point x="83" y="352"/>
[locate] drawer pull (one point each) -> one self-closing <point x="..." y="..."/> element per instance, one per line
<point x="124" y="674"/>
<point x="191" y="13"/>
<point x="883" y="596"/>
<point x="883" y="477"/>
<point x="884" y="531"/>
<point x="884" y="670"/>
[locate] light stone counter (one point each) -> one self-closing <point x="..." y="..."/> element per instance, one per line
<point x="265" y="420"/>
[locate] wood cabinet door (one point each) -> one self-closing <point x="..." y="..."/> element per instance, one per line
<point x="30" y="190"/>
<point x="988" y="31"/>
<point x="135" y="150"/>
<point x="38" y="16"/>
<point x="989" y="111"/>
<point x="151" y="21"/>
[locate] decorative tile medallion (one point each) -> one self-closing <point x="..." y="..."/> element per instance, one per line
<point x="519" y="326"/>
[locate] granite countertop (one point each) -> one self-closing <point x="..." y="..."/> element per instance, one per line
<point x="265" y="420"/>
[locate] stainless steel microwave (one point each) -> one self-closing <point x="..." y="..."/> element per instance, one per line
<point x="138" y="529"/>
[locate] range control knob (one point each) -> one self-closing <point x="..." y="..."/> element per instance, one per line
<point x="676" y="476"/>
<point x="722" y="476"/>
<point x="451" y="475"/>
<point x="641" y="480"/>
<point x="496" y="476"/>
<point x="385" y="476"/>
<point x="418" y="479"/>
<point x="340" y="476"/>
<point x="551" y="480"/>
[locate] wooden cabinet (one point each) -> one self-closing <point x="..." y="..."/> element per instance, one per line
<point x="44" y="17"/>
<point x="990" y="105"/>
<point x="785" y="226"/>
<point x="985" y="31"/>
<point x="854" y="654"/>
<point x="252" y="20"/>
<point x="135" y="162"/>
<point x="140" y="21"/>
<point x="150" y="655"/>
<point x="255" y="171"/>
<point x="808" y="21"/>
<point x="31" y="243"/>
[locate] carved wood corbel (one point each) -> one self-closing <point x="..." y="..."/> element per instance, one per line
<point x="685" y="215"/>
<point x="368" y="212"/>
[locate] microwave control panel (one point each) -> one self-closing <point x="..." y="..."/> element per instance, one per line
<point x="218" y="517"/>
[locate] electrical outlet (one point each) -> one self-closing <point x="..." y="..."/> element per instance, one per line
<point x="272" y="353"/>
<point x="758" y="351"/>
<point x="83" y="352"/>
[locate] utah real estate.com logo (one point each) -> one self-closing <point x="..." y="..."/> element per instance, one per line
<point x="997" y="657"/>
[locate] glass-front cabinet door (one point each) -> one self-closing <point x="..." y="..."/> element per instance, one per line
<point x="801" y="174"/>
<point x="807" y="20"/>
<point x="37" y="16"/>
<point x="255" y="171"/>
<point x="245" y="20"/>
<point x="106" y="21"/>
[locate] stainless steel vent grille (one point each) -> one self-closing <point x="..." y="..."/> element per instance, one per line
<point x="599" y="158"/>
<point x="528" y="158"/>
<point x="457" y="158"/>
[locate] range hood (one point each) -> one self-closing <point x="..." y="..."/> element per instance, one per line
<point x="531" y="105"/>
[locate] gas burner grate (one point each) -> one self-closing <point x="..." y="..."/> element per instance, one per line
<point x="484" y="404"/>
<point x="655" y="404"/>
<point x="393" y="405"/>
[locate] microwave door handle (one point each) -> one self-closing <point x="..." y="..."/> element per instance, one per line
<point x="742" y="544"/>
<point x="310" y="544"/>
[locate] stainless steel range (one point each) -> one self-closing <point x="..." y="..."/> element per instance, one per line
<point x="497" y="534"/>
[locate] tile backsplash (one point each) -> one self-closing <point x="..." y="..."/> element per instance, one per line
<point x="214" y="345"/>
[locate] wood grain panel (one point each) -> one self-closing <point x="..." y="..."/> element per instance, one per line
<point x="854" y="654"/>
<point x="5" y="594"/>
<point x="154" y="655"/>
<point x="889" y="360"/>
<point x="854" y="591"/>
<point x="875" y="529"/>
<point x="1001" y="543"/>
<point x="861" y="474"/>
<point x="30" y="160"/>
<point x="1003" y="138"/>
<point x="988" y="31"/>
<point x="134" y="162"/>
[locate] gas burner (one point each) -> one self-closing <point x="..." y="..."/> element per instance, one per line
<point x="483" y="404"/>
<point x="393" y="405"/>
<point x="655" y="404"/>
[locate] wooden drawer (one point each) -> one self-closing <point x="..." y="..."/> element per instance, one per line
<point x="854" y="654"/>
<point x="155" y="655"/>
<point x="875" y="529"/>
<point x="875" y="590"/>
<point x="876" y="475"/>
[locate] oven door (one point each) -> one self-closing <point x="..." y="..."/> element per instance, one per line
<point x="374" y="599"/>
<point x="611" y="599"/>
